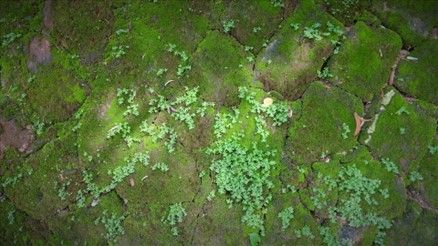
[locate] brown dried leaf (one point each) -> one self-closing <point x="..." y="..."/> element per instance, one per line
<point x="359" y="123"/>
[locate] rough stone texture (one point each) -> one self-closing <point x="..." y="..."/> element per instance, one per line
<point x="39" y="53"/>
<point x="13" y="136"/>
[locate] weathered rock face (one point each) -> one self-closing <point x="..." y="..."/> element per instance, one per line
<point x="39" y="53"/>
<point x="269" y="122"/>
<point x="13" y="136"/>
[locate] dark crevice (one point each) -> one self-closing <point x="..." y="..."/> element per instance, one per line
<point x="417" y="198"/>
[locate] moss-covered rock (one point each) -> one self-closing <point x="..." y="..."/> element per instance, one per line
<point x="13" y="223"/>
<point x="417" y="226"/>
<point x="82" y="27"/>
<point x="290" y="61"/>
<point x="326" y="126"/>
<point x="221" y="68"/>
<point x="364" y="61"/>
<point x="254" y="21"/>
<point x="399" y="132"/>
<point x="415" y="77"/>
<point x="414" y="21"/>
<point x="428" y="187"/>
<point x="35" y="190"/>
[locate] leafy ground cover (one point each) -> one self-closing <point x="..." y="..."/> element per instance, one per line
<point x="218" y="122"/>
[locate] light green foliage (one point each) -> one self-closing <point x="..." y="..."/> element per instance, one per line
<point x="160" y="166"/>
<point x="127" y="96"/>
<point x="304" y="232"/>
<point x="312" y="32"/>
<point x="184" y="108"/>
<point x="261" y="128"/>
<point x="432" y="149"/>
<point x="117" y="175"/>
<point x="295" y="26"/>
<point x="117" y="51"/>
<point x="324" y="73"/>
<point x="358" y="189"/>
<point x="9" y="38"/>
<point x="402" y="110"/>
<point x="415" y="176"/>
<point x="184" y="65"/>
<point x="285" y="216"/>
<point x="228" y="25"/>
<point x="122" y="129"/>
<point x="175" y="215"/>
<point x="244" y="174"/>
<point x="11" y="217"/>
<point x="328" y="238"/>
<point x="211" y="195"/>
<point x="161" y="72"/>
<point x="345" y="130"/>
<point x="12" y="179"/>
<point x="278" y="111"/>
<point x="38" y="127"/>
<point x="390" y="166"/>
<point x="113" y="225"/>
<point x="162" y="132"/>
<point x="277" y="3"/>
<point x="62" y="191"/>
<point x="224" y="121"/>
<point x="256" y="29"/>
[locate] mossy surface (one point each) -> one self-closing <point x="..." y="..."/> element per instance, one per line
<point x="411" y="131"/>
<point x="415" y="76"/>
<point x="319" y="131"/>
<point x="289" y="62"/>
<point x="364" y="61"/>
<point x="218" y="123"/>
<point x="412" y="20"/>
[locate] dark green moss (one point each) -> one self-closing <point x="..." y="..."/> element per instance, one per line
<point x="327" y="113"/>
<point x="364" y="62"/>
<point x="399" y="132"/>
<point x="289" y="62"/>
<point x="415" y="76"/>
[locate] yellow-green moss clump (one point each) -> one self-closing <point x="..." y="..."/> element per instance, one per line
<point x="399" y="132"/>
<point x="294" y="55"/>
<point x="363" y="64"/>
<point x="416" y="73"/>
<point x="326" y="126"/>
<point x="413" y="21"/>
<point x="218" y="123"/>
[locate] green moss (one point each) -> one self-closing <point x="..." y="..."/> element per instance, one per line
<point x="79" y="225"/>
<point x="406" y="150"/>
<point x="13" y="223"/>
<point x="320" y="128"/>
<point x="82" y="27"/>
<point x="36" y="192"/>
<point x="414" y="76"/>
<point x="345" y="11"/>
<point x="428" y="170"/>
<point x="289" y="61"/>
<point x="364" y="62"/>
<point x="414" y="21"/>
<point x="222" y="69"/>
<point x="56" y="92"/>
<point x="254" y="21"/>
<point x="416" y="226"/>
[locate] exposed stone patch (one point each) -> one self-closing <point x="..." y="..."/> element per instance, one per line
<point x="14" y="136"/>
<point x="47" y="15"/>
<point x="39" y="53"/>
